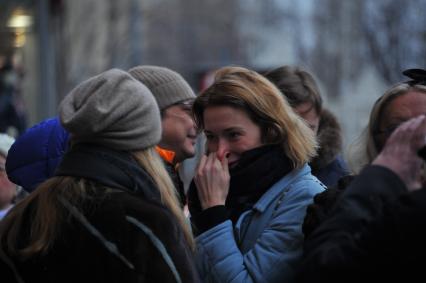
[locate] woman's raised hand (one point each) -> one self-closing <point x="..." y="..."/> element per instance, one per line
<point x="212" y="180"/>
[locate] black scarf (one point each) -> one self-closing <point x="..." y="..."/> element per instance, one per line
<point x="257" y="170"/>
<point x="111" y="168"/>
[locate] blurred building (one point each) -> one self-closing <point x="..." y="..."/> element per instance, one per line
<point x="356" y="49"/>
<point x="65" y="42"/>
<point x="25" y="42"/>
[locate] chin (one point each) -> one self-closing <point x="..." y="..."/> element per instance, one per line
<point x="188" y="154"/>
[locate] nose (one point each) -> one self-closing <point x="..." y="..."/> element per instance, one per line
<point x="222" y="149"/>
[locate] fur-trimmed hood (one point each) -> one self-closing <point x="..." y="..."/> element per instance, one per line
<point x="330" y="141"/>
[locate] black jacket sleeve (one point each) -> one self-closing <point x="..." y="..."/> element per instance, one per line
<point x="341" y="247"/>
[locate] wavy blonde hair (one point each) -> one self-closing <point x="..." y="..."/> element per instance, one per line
<point x="368" y="146"/>
<point x="249" y="91"/>
<point x="48" y="213"/>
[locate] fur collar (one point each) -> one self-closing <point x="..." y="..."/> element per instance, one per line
<point x="330" y="140"/>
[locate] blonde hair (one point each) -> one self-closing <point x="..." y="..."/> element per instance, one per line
<point x="150" y="160"/>
<point x="367" y="146"/>
<point x="48" y="213"/>
<point x="249" y="91"/>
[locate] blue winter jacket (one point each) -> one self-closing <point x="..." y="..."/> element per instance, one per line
<point x="266" y="244"/>
<point x="35" y="155"/>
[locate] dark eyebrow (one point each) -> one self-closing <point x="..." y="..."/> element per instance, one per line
<point x="227" y="130"/>
<point x="233" y="129"/>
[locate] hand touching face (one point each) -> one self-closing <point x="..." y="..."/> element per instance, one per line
<point x="400" y="152"/>
<point x="230" y="132"/>
<point x="212" y="180"/>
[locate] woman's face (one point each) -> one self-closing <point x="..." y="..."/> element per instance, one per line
<point x="308" y="112"/>
<point x="401" y="109"/>
<point x="230" y="132"/>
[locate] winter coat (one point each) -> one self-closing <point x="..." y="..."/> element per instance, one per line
<point x="328" y="166"/>
<point x="34" y="156"/>
<point x="266" y="243"/>
<point x="120" y="233"/>
<point x="376" y="232"/>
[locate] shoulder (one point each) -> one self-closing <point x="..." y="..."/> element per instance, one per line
<point x="331" y="173"/>
<point x="135" y="206"/>
<point x="306" y="184"/>
<point x="296" y="195"/>
<point x="148" y="233"/>
<point x="298" y="183"/>
<point x="134" y="219"/>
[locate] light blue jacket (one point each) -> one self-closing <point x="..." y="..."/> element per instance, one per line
<point x="266" y="244"/>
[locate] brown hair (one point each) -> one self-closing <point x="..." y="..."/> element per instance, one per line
<point x="297" y="85"/>
<point x="369" y="146"/>
<point x="249" y="91"/>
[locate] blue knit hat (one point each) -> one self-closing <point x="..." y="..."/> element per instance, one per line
<point x="34" y="156"/>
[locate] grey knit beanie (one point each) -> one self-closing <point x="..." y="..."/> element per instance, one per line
<point x="167" y="86"/>
<point x="112" y="109"/>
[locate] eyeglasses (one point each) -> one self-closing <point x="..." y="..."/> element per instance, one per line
<point x="186" y="105"/>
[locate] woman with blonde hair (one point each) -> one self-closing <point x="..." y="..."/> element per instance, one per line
<point x="252" y="187"/>
<point x="111" y="213"/>
<point x="398" y="104"/>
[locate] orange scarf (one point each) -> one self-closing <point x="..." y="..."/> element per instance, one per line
<point x="167" y="155"/>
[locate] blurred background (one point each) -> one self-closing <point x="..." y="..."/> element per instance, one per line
<point x="355" y="49"/>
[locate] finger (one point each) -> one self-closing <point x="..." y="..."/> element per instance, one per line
<point x="405" y="132"/>
<point x="201" y="164"/>
<point x="225" y="163"/>
<point x="211" y="160"/>
<point x="413" y="134"/>
<point x="419" y="136"/>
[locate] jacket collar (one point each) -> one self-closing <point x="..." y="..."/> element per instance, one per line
<point x="277" y="189"/>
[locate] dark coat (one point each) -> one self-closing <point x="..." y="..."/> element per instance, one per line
<point x="328" y="166"/>
<point x="129" y="216"/>
<point x="376" y="232"/>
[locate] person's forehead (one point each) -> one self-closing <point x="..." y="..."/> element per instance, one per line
<point x="406" y="106"/>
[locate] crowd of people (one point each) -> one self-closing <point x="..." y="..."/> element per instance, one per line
<point x="96" y="194"/>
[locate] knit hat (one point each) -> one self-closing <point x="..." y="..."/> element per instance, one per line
<point x="36" y="153"/>
<point x="112" y="109"/>
<point x="6" y="142"/>
<point x="167" y="86"/>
